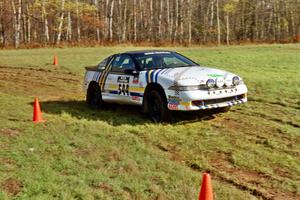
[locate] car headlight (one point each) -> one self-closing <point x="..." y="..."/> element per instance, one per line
<point x="228" y="82"/>
<point x="220" y="82"/>
<point x="210" y="83"/>
<point x="235" y="80"/>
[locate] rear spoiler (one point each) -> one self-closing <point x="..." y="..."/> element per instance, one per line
<point x="91" y="68"/>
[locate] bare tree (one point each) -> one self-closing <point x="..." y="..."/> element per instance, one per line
<point x="176" y="21"/>
<point x="160" y="19"/>
<point x="218" y="22"/>
<point x="69" y="27"/>
<point x="134" y="21"/>
<point x="97" y="19"/>
<point x="124" y="22"/>
<point x="17" y="21"/>
<point x="111" y="14"/>
<point x="61" y="21"/>
<point x="78" y="22"/>
<point x="190" y="10"/>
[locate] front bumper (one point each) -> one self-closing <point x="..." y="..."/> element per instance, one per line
<point x="206" y="99"/>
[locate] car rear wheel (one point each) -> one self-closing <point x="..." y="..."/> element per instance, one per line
<point x="157" y="107"/>
<point x="94" y="97"/>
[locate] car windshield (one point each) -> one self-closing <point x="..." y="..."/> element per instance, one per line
<point x="160" y="60"/>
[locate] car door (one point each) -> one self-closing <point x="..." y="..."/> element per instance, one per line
<point x="117" y="84"/>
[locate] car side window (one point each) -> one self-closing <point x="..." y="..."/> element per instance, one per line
<point x="121" y="63"/>
<point x="104" y="62"/>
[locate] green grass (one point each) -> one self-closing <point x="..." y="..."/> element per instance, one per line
<point x="252" y="152"/>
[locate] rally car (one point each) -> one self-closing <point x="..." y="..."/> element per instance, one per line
<point x="161" y="81"/>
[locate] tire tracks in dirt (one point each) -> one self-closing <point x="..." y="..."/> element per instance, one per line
<point x="29" y="81"/>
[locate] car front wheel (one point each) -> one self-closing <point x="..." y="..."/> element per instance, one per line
<point x="157" y="107"/>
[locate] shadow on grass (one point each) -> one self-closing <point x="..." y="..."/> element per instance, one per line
<point x="117" y="114"/>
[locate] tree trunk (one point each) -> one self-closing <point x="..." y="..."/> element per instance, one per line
<point x="141" y="23"/>
<point x="45" y="21"/>
<point x="134" y="21"/>
<point x="169" y="26"/>
<point x="69" y="28"/>
<point x="212" y="13"/>
<point x="189" y="22"/>
<point x="78" y="22"/>
<point x="181" y="21"/>
<point x="17" y="22"/>
<point x="227" y="29"/>
<point x="151" y="24"/>
<point x="107" y="18"/>
<point x="218" y="23"/>
<point x="24" y="28"/>
<point x="111" y="21"/>
<point x="206" y="23"/>
<point x="28" y="27"/>
<point x="61" y="20"/>
<point x="97" y="19"/>
<point x="159" y="20"/>
<point x="1" y="34"/>
<point x="176" y="19"/>
<point x="124" y="22"/>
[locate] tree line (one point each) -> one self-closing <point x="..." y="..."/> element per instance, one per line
<point x="47" y="22"/>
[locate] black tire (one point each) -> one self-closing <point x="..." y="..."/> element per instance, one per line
<point x="94" y="97"/>
<point x="157" y="107"/>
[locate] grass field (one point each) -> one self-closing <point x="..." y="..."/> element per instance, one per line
<point x="252" y="152"/>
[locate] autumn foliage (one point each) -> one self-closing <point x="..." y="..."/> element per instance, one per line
<point x="36" y="23"/>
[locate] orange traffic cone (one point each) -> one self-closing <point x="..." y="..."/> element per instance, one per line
<point x="55" y="60"/>
<point x="206" y="192"/>
<point x="37" y="113"/>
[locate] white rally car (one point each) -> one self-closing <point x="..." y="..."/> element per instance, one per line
<point x="161" y="81"/>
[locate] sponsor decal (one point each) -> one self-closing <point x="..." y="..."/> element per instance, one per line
<point x="157" y="52"/>
<point x="215" y="75"/>
<point x="135" y="98"/>
<point x="123" y="89"/>
<point x="135" y="80"/>
<point x="156" y="75"/>
<point x="173" y="106"/>
<point x="137" y="89"/>
<point x="185" y="103"/>
<point x="123" y="79"/>
<point x="174" y="97"/>
<point x="173" y="101"/>
<point x="113" y="87"/>
<point x="152" y="75"/>
<point x="103" y="77"/>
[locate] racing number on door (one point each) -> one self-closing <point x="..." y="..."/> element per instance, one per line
<point x="124" y="89"/>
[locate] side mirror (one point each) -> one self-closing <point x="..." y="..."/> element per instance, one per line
<point x="131" y="72"/>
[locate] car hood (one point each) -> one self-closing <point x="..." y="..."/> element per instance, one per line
<point x="195" y="75"/>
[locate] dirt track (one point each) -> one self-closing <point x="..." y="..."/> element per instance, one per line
<point x="39" y="82"/>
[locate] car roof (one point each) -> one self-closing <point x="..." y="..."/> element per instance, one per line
<point x="146" y="51"/>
